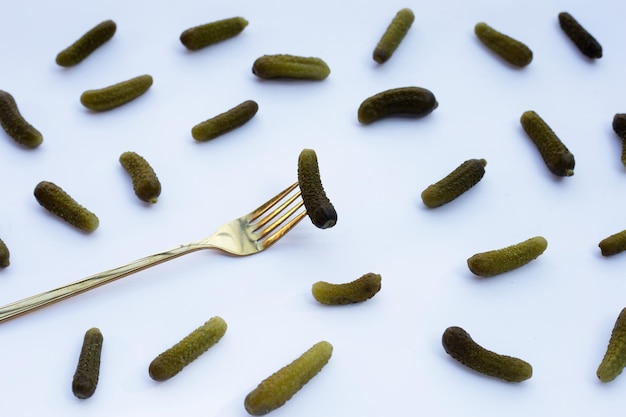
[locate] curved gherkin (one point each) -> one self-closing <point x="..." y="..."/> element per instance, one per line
<point x="54" y="199"/>
<point x="86" y="44"/>
<point x="393" y="36"/>
<point x="511" y="50"/>
<point x="464" y="177"/>
<point x="414" y="101"/>
<point x="146" y="184"/>
<point x="614" y="359"/>
<point x="116" y="95"/>
<point x="201" y="36"/>
<point x="356" y="291"/>
<point x="14" y="123"/>
<point x="319" y="208"/>
<point x="498" y="261"/>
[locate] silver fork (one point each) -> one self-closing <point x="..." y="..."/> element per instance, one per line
<point x="249" y="234"/>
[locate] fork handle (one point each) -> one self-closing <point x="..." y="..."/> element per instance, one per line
<point x="44" y="299"/>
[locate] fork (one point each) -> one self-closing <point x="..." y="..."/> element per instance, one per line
<point x="249" y="234"/>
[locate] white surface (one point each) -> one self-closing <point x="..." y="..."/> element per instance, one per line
<point x="556" y="313"/>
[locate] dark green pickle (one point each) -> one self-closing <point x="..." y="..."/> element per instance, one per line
<point x="86" y="44"/>
<point x="15" y="125"/>
<point x="555" y="154"/>
<point x="201" y="36"/>
<point x="614" y="359"/>
<point x="291" y="67"/>
<point x="619" y="127"/>
<point x="464" y="177"/>
<point x="319" y="208"/>
<point x="146" y="184"/>
<point x="414" y="101"/>
<point x="583" y="40"/>
<point x="459" y="344"/>
<point x="511" y="50"/>
<point x="274" y="391"/>
<point x="173" y="360"/>
<point x="613" y="244"/>
<point x="225" y="122"/>
<point x="116" y="95"/>
<point x="393" y="36"/>
<point x="5" y="256"/>
<point x="54" y="199"/>
<point x="87" y="372"/>
<point x="495" y="262"/>
<point x="357" y="291"/>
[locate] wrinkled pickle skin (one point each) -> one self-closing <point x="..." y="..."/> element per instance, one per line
<point x="393" y="36"/>
<point x="54" y="199"/>
<point x="5" y="256"/>
<point x="87" y="372"/>
<point x="173" y="360"/>
<point x="555" y="154"/>
<point x="146" y="184"/>
<point x="494" y="262"/>
<point x="225" y="122"/>
<point x="86" y="44"/>
<point x="15" y="125"/>
<point x="613" y="244"/>
<point x="201" y="36"/>
<point x="319" y="208"/>
<point x="357" y="291"/>
<point x="583" y="40"/>
<point x="614" y="359"/>
<point x="619" y="127"/>
<point x="511" y="50"/>
<point x="464" y="177"/>
<point x="278" y="388"/>
<point x="115" y="95"/>
<point x="459" y="344"/>
<point x="290" y="66"/>
<point x="414" y="101"/>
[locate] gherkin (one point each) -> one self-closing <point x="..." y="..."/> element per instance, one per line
<point x="356" y="291"/>
<point x="393" y="36"/>
<point x="225" y="122"/>
<point x="613" y="244"/>
<point x="274" y="391"/>
<point x="464" y="177"/>
<point x="87" y="372"/>
<point x="319" y="208"/>
<point x="290" y="66"/>
<point x="86" y="44"/>
<point x="116" y="95"/>
<point x="511" y="50"/>
<point x="173" y="360"/>
<point x="15" y="125"/>
<point x="583" y="40"/>
<point x="201" y="36"/>
<point x="54" y="199"/>
<point x="5" y="256"/>
<point x="413" y="101"/>
<point x="619" y="127"/>
<point x="498" y="261"/>
<point x="614" y="359"/>
<point x="146" y="184"/>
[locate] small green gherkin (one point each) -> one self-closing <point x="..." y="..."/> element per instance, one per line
<point x="414" y="101"/>
<point x="201" y="36"/>
<point x="54" y="199"/>
<point x="511" y="50"/>
<point x="116" y="95"/>
<point x="225" y="122"/>
<point x="274" y="391"/>
<point x="498" y="261"/>
<point x="613" y="244"/>
<point x="146" y="184"/>
<point x="86" y="44"/>
<point x="356" y="291"/>
<point x="583" y="40"/>
<point x="173" y="360"/>
<point x="319" y="208"/>
<point x="87" y="372"/>
<point x="290" y="66"/>
<point x="393" y="36"/>
<point x="460" y="345"/>
<point x="464" y="177"/>
<point x="15" y="125"/>
<point x="619" y="127"/>
<point x="5" y="260"/>
<point x="555" y="154"/>
<point x="614" y="359"/>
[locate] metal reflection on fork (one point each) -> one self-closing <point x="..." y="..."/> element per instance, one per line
<point x="246" y="235"/>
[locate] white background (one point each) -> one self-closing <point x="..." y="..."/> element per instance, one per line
<point x="557" y="312"/>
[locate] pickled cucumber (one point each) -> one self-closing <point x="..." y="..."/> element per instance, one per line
<point x="278" y="388"/>
<point x="509" y="49"/>
<point x="415" y="101"/>
<point x="54" y="199"/>
<point x="464" y="177"/>
<point x="115" y="95"/>
<point x="555" y="154"/>
<point x="583" y="40"/>
<point x="5" y="256"/>
<point x="614" y="359"/>
<point x="356" y="291"/>
<point x="619" y="127"/>
<point x="86" y="44"/>
<point x="15" y="125"/>
<point x="393" y="36"/>
<point x="173" y="360"/>
<point x="319" y="208"/>
<point x="201" y="36"/>
<point x="87" y="372"/>
<point x="290" y="66"/>
<point x="225" y="122"/>
<point x="146" y="185"/>
<point x="494" y="262"/>
<point x="459" y="344"/>
<point x="613" y="244"/>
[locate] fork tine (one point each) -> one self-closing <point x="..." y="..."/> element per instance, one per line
<point x="262" y="222"/>
<point x="255" y="214"/>
<point x="283" y="230"/>
<point x="269" y="229"/>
